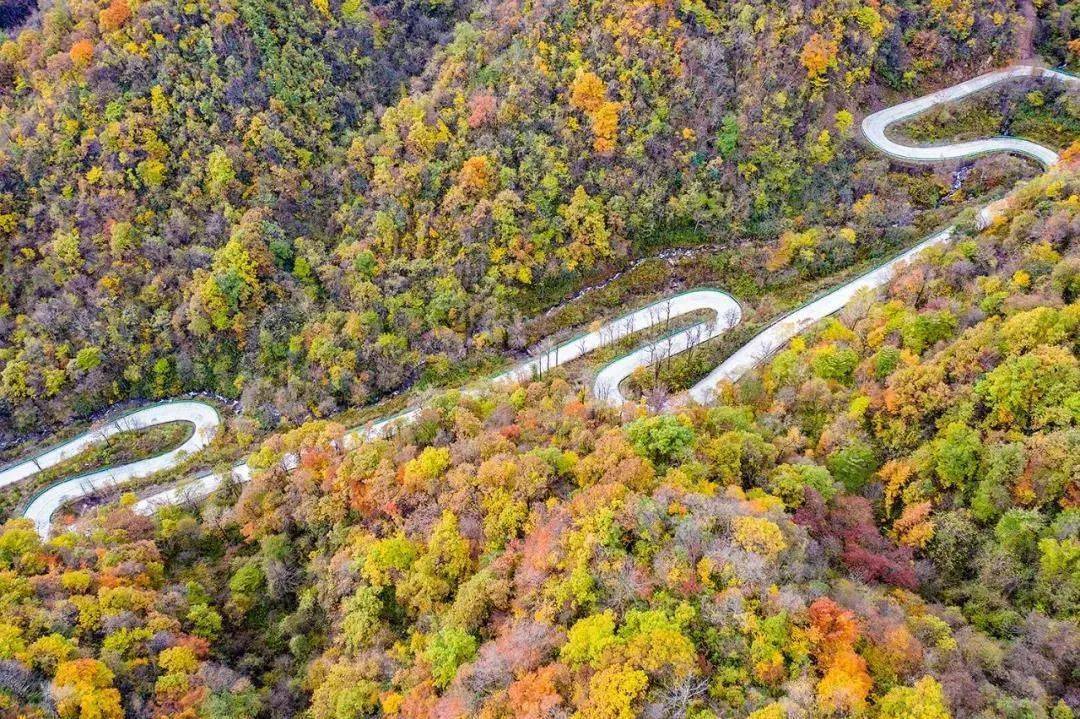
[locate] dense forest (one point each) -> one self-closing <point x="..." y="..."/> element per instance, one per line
<point x="880" y="522"/>
<point x="308" y="207"/>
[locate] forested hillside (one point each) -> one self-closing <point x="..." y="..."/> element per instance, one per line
<point x="308" y="206"/>
<point x="881" y="522"/>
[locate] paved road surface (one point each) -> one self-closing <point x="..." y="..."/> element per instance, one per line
<point x="202" y="416"/>
<point x="725" y="310"/>
<point x="875" y="125"/>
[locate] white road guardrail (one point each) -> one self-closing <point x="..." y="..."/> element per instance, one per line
<point x="726" y="314"/>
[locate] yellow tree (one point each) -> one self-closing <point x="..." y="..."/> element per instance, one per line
<point x="590" y="236"/>
<point x="81" y="53"/>
<point x="612" y="693"/>
<point x="587" y="91"/>
<point x="845" y="682"/>
<point x="758" y="535"/>
<point x="925" y="700"/>
<point x="83" y="689"/>
<point x="605" y="124"/>
<point x="818" y="55"/>
<point x="588" y="94"/>
<point x="477" y="175"/>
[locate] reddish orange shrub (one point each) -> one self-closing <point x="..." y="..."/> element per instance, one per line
<point x="82" y="53"/>
<point x="114" y="16"/>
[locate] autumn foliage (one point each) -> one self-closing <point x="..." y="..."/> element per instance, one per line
<point x="309" y="210"/>
<point x="82" y="52"/>
<point x="115" y="15"/>
<point x="284" y="204"/>
<point x="818" y="55"/>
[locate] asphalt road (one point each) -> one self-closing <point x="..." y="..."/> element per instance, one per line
<point x="725" y="310"/>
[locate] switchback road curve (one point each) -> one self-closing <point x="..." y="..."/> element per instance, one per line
<point x="724" y="310"/>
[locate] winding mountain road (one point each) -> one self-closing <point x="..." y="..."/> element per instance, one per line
<point x="874" y="126"/>
<point x="203" y="418"/>
<point x="725" y="314"/>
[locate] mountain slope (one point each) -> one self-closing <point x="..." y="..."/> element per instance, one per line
<point x="306" y="207"/>
<point x="881" y="522"/>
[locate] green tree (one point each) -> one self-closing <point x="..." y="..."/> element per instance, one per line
<point x="205" y="621"/>
<point x="853" y="465"/>
<point x="247" y="585"/>
<point x="447" y="650"/>
<point x="789" y="482"/>
<point x="362" y="617"/>
<point x="1018" y="532"/>
<point x="1057" y="585"/>
<point x="588" y="639"/>
<point x="835" y="363"/>
<point x="1031" y="390"/>
<point x="219" y="171"/>
<point x="956" y="455"/>
<point x="661" y="439"/>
